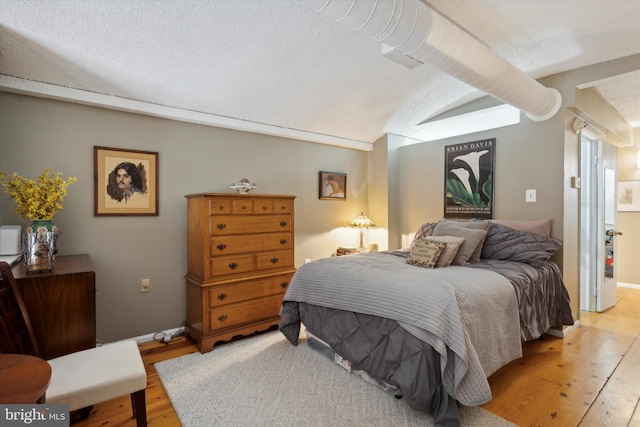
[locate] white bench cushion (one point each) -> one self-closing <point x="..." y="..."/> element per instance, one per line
<point x="96" y="375"/>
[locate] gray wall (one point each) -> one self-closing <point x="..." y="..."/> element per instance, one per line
<point x="40" y="133"/>
<point x="523" y="161"/>
<point x="529" y="155"/>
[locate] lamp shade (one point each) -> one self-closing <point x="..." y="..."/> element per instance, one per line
<point x="362" y="221"/>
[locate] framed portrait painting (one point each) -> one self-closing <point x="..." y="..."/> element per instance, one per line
<point x="126" y="182"/>
<point x="333" y="186"/>
<point x="629" y="196"/>
<point x="469" y="181"/>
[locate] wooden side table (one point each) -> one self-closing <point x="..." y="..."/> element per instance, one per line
<point x="24" y="378"/>
<point x="61" y="304"/>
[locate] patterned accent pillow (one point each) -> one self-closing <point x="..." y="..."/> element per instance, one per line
<point x="542" y="226"/>
<point x="450" y="251"/>
<point x="505" y="243"/>
<point x="425" y="230"/>
<point x="425" y="253"/>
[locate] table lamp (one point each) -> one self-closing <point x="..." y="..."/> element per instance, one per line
<point x="362" y="222"/>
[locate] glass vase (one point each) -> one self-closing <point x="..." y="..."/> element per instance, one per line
<point x="39" y="246"/>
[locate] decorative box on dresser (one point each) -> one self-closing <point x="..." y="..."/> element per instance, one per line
<point x="240" y="262"/>
<point x="61" y="304"/>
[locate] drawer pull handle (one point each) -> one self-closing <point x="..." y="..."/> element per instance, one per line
<point x="222" y="296"/>
<point x="233" y="265"/>
<point x="274" y="260"/>
<point x="264" y="208"/>
<point x="283" y="241"/>
<point x="283" y="207"/>
<point x="221" y="226"/>
<point x="284" y="284"/>
<point x="222" y="318"/>
<point x="221" y="207"/>
<point x="283" y="223"/>
<point x="244" y="207"/>
<point x="221" y="246"/>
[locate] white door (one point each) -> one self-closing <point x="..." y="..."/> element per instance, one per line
<point x="598" y="224"/>
<point x="606" y="294"/>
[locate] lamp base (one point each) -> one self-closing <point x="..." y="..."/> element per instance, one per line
<point x="361" y="248"/>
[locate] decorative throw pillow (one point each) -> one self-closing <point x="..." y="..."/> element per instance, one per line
<point x="450" y="251"/>
<point x="476" y="224"/>
<point x="542" y="226"/>
<point x="425" y="253"/>
<point x="425" y="230"/>
<point x="505" y="243"/>
<point x="472" y="238"/>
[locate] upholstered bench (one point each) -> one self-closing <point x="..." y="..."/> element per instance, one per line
<point x="84" y="378"/>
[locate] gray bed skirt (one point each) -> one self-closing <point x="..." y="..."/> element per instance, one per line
<point x="382" y="349"/>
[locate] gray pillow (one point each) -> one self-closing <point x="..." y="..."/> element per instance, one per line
<point x="477" y="225"/>
<point x="450" y="251"/>
<point x="542" y="226"/>
<point x="425" y="230"/>
<point x="472" y="238"/>
<point x="505" y="243"/>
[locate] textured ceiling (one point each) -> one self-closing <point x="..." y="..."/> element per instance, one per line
<point x="282" y="64"/>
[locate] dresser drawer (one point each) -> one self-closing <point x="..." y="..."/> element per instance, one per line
<point x="231" y="315"/>
<point x="244" y="243"/>
<point x="263" y="207"/>
<point x="242" y="206"/>
<point x="230" y="224"/>
<point x="268" y="260"/>
<point x="231" y="265"/>
<point x="219" y="206"/>
<point x="283" y="206"/>
<point x="248" y="290"/>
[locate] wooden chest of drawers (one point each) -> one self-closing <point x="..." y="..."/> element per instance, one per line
<point x="240" y="262"/>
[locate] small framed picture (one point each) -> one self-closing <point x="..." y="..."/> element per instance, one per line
<point x="333" y="186"/>
<point x="629" y="196"/>
<point x="126" y="182"/>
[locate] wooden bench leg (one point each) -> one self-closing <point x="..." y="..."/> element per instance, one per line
<point x="139" y="405"/>
<point x="85" y="412"/>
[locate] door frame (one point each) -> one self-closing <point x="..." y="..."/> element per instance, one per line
<point x="595" y="156"/>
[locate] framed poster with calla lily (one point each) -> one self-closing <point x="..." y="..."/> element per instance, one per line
<point x="468" y="179"/>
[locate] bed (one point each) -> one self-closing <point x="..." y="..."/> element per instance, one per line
<point x="434" y="320"/>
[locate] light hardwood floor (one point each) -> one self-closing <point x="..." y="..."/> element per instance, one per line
<point x="590" y="378"/>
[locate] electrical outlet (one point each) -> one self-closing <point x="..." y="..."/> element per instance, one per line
<point x="306" y="260"/>
<point x="145" y="285"/>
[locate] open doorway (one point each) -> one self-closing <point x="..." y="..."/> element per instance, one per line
<point x="598" y="169"/>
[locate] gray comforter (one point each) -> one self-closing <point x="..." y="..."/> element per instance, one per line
<point x="469" y="316"/>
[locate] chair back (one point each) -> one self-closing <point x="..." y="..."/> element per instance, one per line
<point x="16" y="333"/>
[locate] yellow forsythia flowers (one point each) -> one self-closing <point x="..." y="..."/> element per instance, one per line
<point x="39" y="200"/>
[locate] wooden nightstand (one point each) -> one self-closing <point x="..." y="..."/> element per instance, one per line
<point x="61" y="304"/>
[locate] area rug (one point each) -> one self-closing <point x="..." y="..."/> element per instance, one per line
<point x="266" y="381"/>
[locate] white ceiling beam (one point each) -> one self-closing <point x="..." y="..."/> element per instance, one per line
<point x="49" y="91"/>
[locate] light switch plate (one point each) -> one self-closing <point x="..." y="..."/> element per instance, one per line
<point x="530" y="196"/>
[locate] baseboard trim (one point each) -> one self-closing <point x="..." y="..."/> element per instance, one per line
<point x="628" y="285"/>
<point x="150" y="337"/>
<point x="565" y="331"/>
